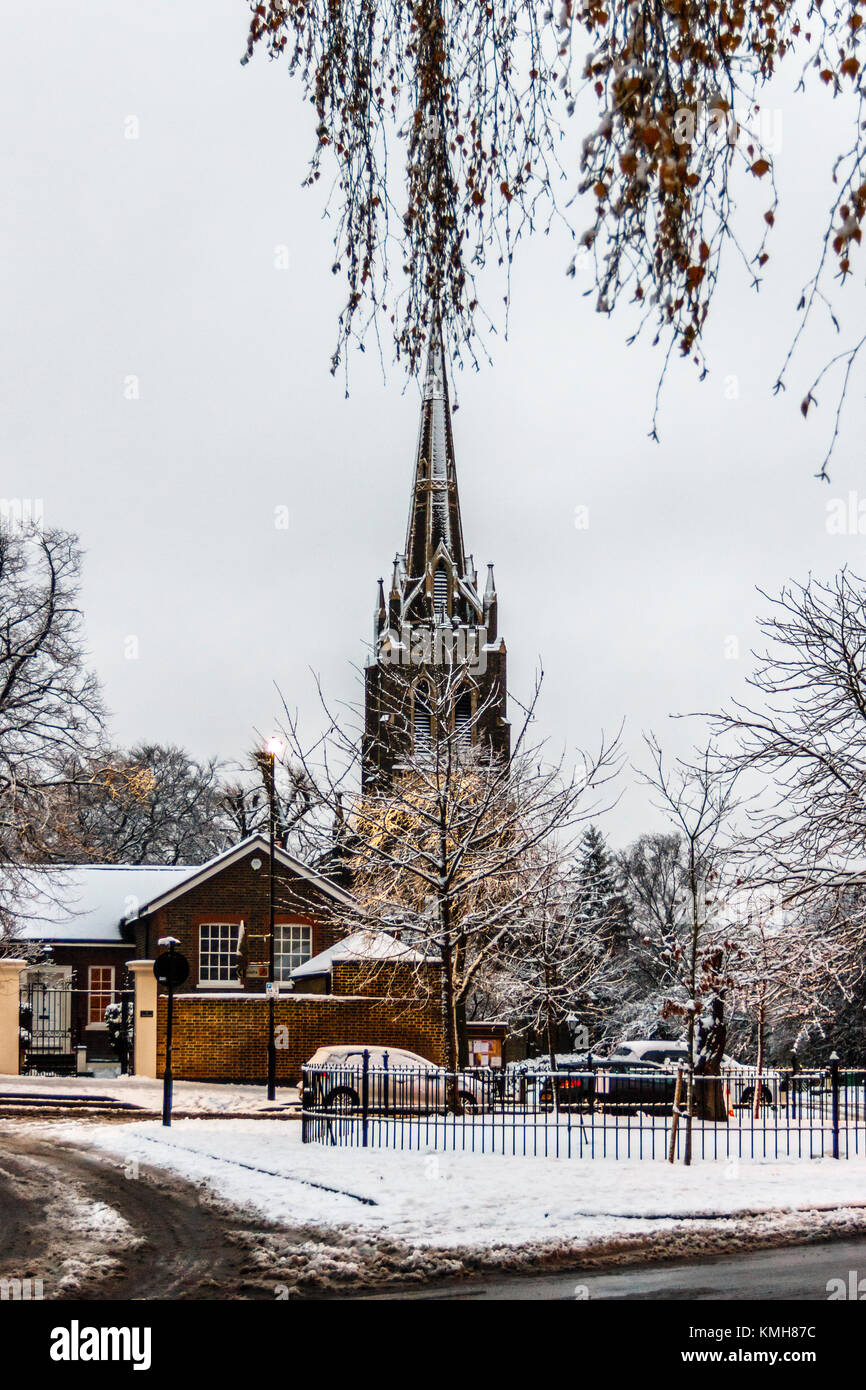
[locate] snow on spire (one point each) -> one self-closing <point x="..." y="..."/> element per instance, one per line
<point x="434" y="517"/>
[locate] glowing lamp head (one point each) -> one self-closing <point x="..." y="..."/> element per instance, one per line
<point x="274" y="747"/>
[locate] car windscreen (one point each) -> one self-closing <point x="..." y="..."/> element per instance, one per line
<point x="410" y="1059"/>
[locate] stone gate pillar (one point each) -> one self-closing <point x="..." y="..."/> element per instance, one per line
<point x="10" y="989"/>
<point x="144" y="1049"/>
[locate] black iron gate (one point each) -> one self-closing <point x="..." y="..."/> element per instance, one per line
<point x="120" y="1017"/>
<point x="48" y="1031"/>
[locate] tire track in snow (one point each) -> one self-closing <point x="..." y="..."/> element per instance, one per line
<point x="268" y="1172"/>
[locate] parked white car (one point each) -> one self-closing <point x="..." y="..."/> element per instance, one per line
<point x="396" y="1080"/>
<point x="659" y="1051"/>
<point x="651" y="1050"/>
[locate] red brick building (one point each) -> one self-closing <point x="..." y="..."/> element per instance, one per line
<point x="95" y="919"/>
<point x="219" y="914"/>
<point x="79" y="926"/>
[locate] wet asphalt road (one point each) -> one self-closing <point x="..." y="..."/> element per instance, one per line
<point x="800" y="1273"/>
<point x="58" y="1201"/>
<point x="89" y="1228"/>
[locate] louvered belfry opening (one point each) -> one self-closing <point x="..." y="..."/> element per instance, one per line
<point x="463" y="718"/>
<point x="422" y="724"/>
<point x="440" y="594"/>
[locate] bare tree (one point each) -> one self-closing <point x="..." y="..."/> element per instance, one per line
<point x="445" y="850"/>
<point x="555" y="955"/>
<point x="804" y="744"/>
<point x="698" y="801"/>
<point x="450" y="120"/>
<point x="799" y="973"/>
<point x="655" y="878"/>
<point x="50" y="704"/>
<point x="245" y="800"/>
<point x="149" y="804"/>
<point x="768" y="977"/>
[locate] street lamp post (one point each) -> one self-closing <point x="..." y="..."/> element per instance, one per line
<point x="170" y="980"/>
<point x="273" y="748"/>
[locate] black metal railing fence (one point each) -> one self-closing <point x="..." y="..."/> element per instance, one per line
<point x="594" y="1112"/>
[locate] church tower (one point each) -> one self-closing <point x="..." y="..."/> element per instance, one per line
<point x="434" y="616"/>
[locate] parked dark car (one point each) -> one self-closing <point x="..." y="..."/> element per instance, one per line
<point x="746" y="1097"/>
<point x="574" y="1090"/>
<point x="640" y="1075"/>
<point x="631" y="1086"/>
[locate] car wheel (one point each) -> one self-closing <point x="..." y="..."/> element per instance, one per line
<point x="343" y="1100"/>
<point x="468" y="1101"/>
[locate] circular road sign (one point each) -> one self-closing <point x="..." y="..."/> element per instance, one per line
<point x="171" y="968"/>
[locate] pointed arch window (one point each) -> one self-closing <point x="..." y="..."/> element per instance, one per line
<point x="422" y="723"/>
<point x="440" y="594"/>
<point x="463" y="719"/>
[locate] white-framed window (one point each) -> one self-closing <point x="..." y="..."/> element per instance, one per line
<point x="218" y="953"/>
<point x="293" y="945"/>
<point x="100" y="993"/>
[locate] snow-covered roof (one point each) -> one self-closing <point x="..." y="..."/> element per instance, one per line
<point x="361" y="945"/>
<point x="90" y="902"/>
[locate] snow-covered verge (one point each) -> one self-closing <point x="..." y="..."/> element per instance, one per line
<point x="361" y="1216"/>
<point x="195" y="1096"/>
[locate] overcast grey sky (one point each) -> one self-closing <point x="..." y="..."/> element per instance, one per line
<point x="154" y="258"/>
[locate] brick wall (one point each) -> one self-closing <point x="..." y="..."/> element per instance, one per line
<point x="224" y="1038"/>
<point x="385" y="979"/>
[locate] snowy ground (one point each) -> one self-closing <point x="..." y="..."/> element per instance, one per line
<point x="456" y="1213"/>
<point x="141" y="1090"/>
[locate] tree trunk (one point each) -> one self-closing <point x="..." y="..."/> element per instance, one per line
<point x="461" y="1035"/>
<point x="550" y="1015"/>
<point x="675" y="1121"/>
<point x="693" y="976"/>
<point x="756" y="1109"/>
<point x="551" y="1038"/>
<point x="710" y="1096"/>
<point x="449" y="1028"/>
<point x="690" y="1091"/>
<point x="551" y="1055"/>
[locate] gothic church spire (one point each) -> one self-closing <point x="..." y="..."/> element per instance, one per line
<point x="434" y="515"/>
